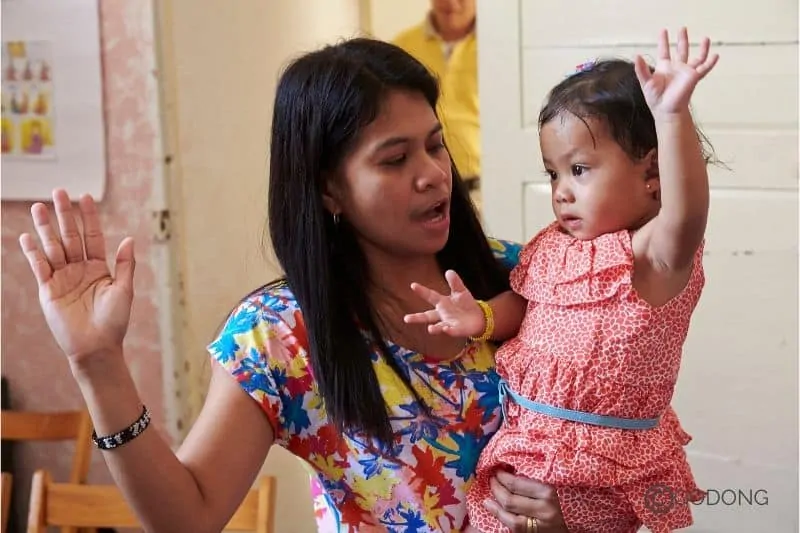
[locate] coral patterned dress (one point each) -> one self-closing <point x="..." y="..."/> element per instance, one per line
<point x="589" y="343"/>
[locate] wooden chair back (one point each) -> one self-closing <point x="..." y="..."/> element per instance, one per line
<point x="6" y="503"/>
<point x="52" y="427"/>
<point x="67" y="425"/>
<point x="67" y="504"/>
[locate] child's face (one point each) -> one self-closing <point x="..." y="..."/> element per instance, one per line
<point x="596" y="187"/>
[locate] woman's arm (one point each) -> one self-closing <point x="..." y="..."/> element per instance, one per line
<point x="201" y="487"/>
<point x="88" y="311"/>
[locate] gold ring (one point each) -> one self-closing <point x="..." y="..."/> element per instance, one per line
<point x="533" y="525"/>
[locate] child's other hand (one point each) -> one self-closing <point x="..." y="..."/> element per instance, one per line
<point x="669" y="88"/>
<point x="457" y="315"/>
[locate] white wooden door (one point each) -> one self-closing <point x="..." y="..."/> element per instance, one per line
<point x="737" y="392"/>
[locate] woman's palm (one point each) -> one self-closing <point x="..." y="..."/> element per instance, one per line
<point x="85" y="307"/>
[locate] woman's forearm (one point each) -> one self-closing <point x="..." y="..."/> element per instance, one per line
<point x="161" y="490"/>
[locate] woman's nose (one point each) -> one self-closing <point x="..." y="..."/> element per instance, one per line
<point x="431" y="172"/>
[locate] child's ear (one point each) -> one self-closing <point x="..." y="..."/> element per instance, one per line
<point x="651" y="160"/>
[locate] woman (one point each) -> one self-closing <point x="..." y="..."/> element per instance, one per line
<point x="363" y="199"/>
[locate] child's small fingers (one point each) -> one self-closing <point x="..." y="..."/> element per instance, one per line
<point x="430" y="296"/>
<point x="642" y="70"/>
<point x="706" y="67"/>
<point x="683" y="45"/>
<point x="435" y="329"/>
<point x="455" y="282"/>
<point x="422" y="318"/>
<point x="705" y="45"/>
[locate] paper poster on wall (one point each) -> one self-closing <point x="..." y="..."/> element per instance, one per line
<point x="53" y="132"/>
<point x="27" y="100"/>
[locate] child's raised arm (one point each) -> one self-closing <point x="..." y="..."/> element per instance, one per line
<point x="460" y="315"/>
<point x="673" y="236"/>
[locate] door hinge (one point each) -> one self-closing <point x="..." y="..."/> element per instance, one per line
<point x="161" y="225"/>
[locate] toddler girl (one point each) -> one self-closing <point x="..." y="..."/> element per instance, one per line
<point x="601" y="303"/>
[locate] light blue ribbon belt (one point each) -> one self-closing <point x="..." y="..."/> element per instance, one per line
<point x="569" y="414"/>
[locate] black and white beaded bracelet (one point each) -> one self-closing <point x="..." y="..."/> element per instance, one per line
<point x="125" y="436"/>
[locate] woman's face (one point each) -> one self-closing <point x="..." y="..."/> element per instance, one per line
<point x="394" y="186"/>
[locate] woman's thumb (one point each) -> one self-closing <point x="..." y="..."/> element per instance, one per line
<point x="125" y="264"/>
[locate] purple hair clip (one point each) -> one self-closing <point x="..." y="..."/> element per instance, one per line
<point x="586" y="65"/>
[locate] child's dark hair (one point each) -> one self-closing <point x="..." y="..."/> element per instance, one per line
<point x="608" y="90"/>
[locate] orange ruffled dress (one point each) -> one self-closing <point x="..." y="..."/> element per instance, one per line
<point x="589" y="343"/>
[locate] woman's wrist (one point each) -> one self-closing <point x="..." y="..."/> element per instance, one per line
<point x="98" y="366"/>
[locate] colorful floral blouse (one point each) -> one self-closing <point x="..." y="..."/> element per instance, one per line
<point x="416" y="485"/>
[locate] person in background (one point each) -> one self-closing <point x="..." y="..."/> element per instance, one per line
<point x="446" y="43"/>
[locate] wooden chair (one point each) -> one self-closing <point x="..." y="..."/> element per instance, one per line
<point x="66" y="504"/>
<point x="50" y="426"/>
<point x="6" y="503"/>
<point x="67" y="425"/>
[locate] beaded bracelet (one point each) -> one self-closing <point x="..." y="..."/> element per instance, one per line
<point x="125" y="436"/>
<point x="488" y="316"/>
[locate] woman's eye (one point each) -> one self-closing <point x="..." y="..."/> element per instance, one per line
<point x="395" y="161"/>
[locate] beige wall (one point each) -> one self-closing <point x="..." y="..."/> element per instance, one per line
<point x="390" y="17"/>
<point x="220" y="73"/>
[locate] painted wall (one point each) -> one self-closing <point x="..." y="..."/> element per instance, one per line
<point x="38" y="374"/>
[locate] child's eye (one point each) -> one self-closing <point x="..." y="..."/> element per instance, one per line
<point x="578" y="170"/>
<point x="551" y="174"/>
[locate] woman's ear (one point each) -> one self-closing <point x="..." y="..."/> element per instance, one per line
<point x="331" y="195"/>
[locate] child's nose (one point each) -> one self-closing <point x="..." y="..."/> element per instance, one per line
<point x="563" y="192"/>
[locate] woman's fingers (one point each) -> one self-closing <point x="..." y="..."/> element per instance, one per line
<point x="36" y="259"/>
<point x="93" y="238"/>
<point x="51" y="243"/>
<point x="70" y="235"/>
<point x="524" y="486"/>
<point x="527" y="497"/>
<point x="512" y="521"/>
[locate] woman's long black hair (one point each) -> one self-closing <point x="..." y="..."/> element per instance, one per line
<point x="324" y="99"/>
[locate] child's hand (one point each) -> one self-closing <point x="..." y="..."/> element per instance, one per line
<point x="457" y="315"/>
<point x="669" y="89"/>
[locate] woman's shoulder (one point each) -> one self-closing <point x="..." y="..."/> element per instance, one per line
<point x="274" y="301"/>
<point x="270" y="312"/>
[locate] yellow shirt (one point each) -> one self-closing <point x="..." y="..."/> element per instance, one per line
<point x="458" y="78"/>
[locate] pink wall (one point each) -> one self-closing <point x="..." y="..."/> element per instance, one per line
<point x="37" y="372"/>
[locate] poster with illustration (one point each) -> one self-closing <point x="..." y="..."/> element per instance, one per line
<point x="27" y="100"/>
<point x="53" y="128"/>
